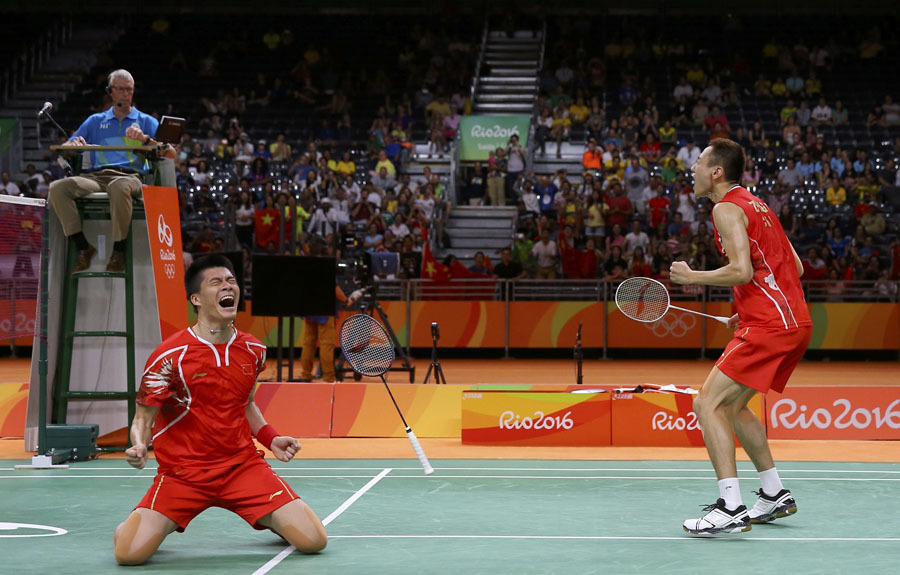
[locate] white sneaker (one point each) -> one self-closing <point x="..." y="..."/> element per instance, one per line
<point x="768" y="508"/>
<point x="719" y="519"/>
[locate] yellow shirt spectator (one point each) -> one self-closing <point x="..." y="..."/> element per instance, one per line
<point x="779" y="88"/>
<point x="836" y="196"/>
<point x="388" y="165"/>
<point x="346" y="168"/>
<point x="579" y="113"/>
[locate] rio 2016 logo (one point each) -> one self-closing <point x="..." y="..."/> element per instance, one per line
<point x="786" y="413"/>
<point x="664" y="421"/>
<point x="496" y="131"/>
<point x="512" y="420"/>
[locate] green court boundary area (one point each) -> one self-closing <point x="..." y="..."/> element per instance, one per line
<point x="471" y="517"/>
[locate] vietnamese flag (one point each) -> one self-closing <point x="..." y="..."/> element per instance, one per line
<point x="433" y="269"/>
<point x="267" y="225"/>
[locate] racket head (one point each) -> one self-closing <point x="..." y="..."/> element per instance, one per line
<point x="642" y="299"/>
<point x="366" y="345"/>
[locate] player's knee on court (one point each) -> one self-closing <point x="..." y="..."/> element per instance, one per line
<point x="133" y="545"/>
<point x="306" y="532"/>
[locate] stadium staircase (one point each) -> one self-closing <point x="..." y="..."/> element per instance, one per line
<point x="507" y="80"/>
<point x="479" y="228"/>
<point x="54" y="82"/>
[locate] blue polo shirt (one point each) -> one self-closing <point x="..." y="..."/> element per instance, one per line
<point x="104" y="129"/>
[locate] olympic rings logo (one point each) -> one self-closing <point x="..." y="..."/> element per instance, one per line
<point x="675" y="324"/>
<point x="163" y="231"/>
<point x="169" y="270"/>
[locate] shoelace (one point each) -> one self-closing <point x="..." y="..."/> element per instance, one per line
<point x="709" y="507"/>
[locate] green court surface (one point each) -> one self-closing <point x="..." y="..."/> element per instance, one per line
<point x="471" y="517"/>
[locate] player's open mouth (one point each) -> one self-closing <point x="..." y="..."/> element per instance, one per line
<point x="226" y="302"/>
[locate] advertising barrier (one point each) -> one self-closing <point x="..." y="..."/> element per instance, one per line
<point x="167" y="256"/>
<point x="365" y="410"/>
<point x="13" y="403"/>
<point x="535" y="418"/>
<point x="297" y="409"/>
<point x="481" y="135"/>
<point x="834" y="413"/>
<point x="660" y="419"/>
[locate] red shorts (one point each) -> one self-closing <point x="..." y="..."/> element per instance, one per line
<point x="763" y="359"/>
<point x="251" y="489"/>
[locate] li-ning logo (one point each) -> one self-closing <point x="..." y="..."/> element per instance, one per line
<point x="512" y="420"/>
<point x="822" y="418"/>
<point x="163" y="231"/>
<point x="672" y="324"/>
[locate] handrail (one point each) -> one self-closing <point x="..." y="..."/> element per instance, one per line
<point x="474" y="87"/>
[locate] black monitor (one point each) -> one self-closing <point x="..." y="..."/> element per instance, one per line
<point x="286" y="286"/>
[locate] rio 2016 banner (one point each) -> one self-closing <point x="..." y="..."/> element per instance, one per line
<point x="481" y="135"/>
<point x="535" y="418"/>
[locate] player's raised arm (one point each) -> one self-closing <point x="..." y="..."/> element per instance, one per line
<point x="731" y="224"/>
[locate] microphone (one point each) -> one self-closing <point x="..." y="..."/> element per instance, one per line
<point x="47" y="107"/>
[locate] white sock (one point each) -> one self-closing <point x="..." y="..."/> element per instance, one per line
<point x="730" y="492"/>
<point x="771" y="483"/>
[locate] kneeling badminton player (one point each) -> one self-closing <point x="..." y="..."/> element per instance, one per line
<point x="196" y="404"/>
<point x="772" y="330"/>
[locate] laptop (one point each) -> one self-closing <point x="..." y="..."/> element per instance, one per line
<point x="170" y="130"/>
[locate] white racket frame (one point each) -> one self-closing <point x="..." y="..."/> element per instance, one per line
<point x="718" y="318"/>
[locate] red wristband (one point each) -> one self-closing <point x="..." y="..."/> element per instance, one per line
<point x="265" y="435"/>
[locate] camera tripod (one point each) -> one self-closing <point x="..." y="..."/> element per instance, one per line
<point x="369" y="305"/>
<point x="435" y="364"/>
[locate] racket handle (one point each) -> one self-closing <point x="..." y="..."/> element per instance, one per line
<point x="420" y="453"/>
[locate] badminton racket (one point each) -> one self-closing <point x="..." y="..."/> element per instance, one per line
<point x="647" y="300"/>
<point x="370" y="352"/>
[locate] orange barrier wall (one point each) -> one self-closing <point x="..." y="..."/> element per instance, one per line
<point x="13" y="403"/>
<point x="298" y="409"/>
<point x="535" y="418"/>
<point x="365" y="410"/>
<point x="834" y="413"/>
<point x="660" y="419"/>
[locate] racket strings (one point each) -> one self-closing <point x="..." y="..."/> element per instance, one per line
<point x="366" y="345"/>
<point x="642" y="299"/>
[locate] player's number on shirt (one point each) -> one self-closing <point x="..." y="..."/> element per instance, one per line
<point x="762" y="208"/>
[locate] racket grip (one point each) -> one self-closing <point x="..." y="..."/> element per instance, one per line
<point x="420" y="453"/>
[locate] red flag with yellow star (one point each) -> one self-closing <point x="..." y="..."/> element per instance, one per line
<point x="433" y="269"/>
<point x="267" y="225"/>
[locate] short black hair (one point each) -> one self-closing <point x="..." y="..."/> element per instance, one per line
<point x="194" y="275"/>
<point x="730" y="155"/>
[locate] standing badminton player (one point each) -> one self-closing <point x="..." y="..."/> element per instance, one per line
<point x="772" y="330"/>
<point x="196" y="404"/>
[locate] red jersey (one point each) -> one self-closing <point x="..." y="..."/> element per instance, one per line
<point x="202" y="390"/>
<point x="773" y="297"/>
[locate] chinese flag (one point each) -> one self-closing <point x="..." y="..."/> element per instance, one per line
<point x="431" y="268"/>
<point x="267" y="226"/>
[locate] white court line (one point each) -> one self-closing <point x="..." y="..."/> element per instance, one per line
<point x="334" y="515"/>
<point x="535" y="469"/>
<point x="559" y="477"/>
<point x="618" y="538"/>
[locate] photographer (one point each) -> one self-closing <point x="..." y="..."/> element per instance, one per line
<point x="515" y="164"/>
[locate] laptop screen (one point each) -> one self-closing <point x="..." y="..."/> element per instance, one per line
<point x="170" y="130"/>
